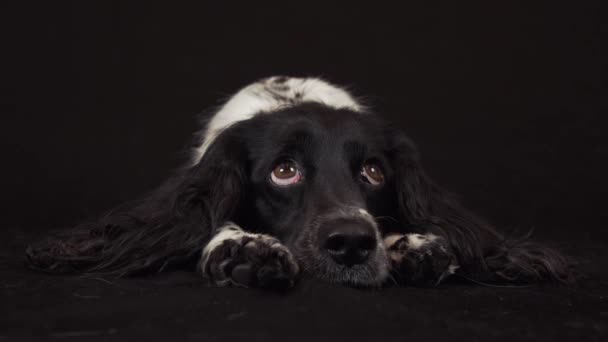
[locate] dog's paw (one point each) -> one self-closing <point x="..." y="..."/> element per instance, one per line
<point x="235" y="257"/>
<point x="420" y="260"/>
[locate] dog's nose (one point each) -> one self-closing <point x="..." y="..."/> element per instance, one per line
<point x="349" y="243"/>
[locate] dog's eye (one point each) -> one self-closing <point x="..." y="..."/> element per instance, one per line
<point x="286" y="173"/>
<point x="372" y="174"/>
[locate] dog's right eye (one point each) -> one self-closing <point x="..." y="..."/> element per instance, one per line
<point x="286" y="173"/>
<point x="371" y="173"/>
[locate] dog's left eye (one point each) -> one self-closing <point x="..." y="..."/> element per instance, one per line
<point x="286" y="173"/>
<point x="372" y="173"/>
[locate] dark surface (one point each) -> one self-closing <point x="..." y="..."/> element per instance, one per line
<point x="507" y="103"/>
<point x="177" y="306"/>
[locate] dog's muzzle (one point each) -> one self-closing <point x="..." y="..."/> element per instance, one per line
<point x="344" y="246"/>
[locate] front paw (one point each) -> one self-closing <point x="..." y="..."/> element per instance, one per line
<point x="420" y="260"/>
<point x="235" y="257"/>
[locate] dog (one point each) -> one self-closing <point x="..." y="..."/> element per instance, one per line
<point x="295" y="177"/>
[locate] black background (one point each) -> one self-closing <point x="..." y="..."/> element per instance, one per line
<point x="506" y="100"/>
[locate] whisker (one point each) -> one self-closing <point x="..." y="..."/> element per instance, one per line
<point x="386" y="218"/>
<point x="390" y="276"/>
<point x="492" y="285"/>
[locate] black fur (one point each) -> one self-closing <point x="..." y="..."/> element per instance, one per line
<point x="169" y="227"/>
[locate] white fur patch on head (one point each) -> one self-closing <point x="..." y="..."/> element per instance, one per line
<point x="268" y="95"/>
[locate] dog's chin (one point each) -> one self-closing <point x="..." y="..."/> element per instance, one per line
<point x="371" y="274"/>
<point x="364" y="275"/>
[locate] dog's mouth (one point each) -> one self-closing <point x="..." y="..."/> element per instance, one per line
<point x="372" y="273"/>
<point x="344" y="247"/>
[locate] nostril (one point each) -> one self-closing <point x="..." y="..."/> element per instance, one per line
<point x="335" y="243"/>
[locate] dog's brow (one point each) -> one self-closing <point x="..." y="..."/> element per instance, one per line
<point x="296" y="139"/>
<point x="353" y="148"/>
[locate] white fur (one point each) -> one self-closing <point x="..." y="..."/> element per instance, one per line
<point x="452" y="269"/>
<point x="414" y="241"/>
<point x="390" y="240"/>
<point x="261" y="97"/>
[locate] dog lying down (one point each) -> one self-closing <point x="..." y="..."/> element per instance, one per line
<point x="292" y="177"/>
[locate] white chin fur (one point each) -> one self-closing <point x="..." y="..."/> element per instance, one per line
<point x="268" y="95"/>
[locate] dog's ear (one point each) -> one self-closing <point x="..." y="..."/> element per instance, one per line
<point x="482" y="252"/>
<point x="167" y="228"/>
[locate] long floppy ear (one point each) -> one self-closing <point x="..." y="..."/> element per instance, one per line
<point x="482" y="252"/>
<point x="167" y="228"/>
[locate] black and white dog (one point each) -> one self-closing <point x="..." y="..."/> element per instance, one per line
<point x="293" y="176"/>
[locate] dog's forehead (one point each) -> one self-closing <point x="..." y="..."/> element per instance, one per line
<point x="317" y="121"/>
<point x="314" y="123"/>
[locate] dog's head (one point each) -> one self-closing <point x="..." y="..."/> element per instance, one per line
<point x="325" y="181"/>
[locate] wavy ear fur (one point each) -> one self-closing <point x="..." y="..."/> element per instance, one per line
<point x="167" y="228"/>
<point x="482" y="252"/>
